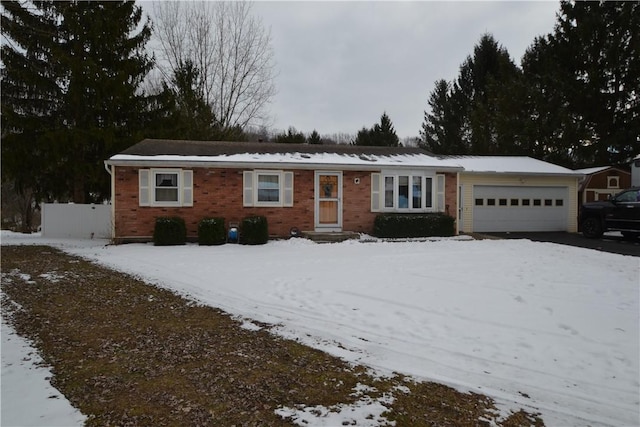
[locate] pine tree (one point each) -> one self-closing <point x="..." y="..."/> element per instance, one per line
<point x="292" y="136"/>
<point x="86" y="63"/>
<point x="314" y="138"/>
<point x="382" y="134"/>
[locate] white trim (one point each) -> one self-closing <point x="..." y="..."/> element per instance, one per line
<point x="376" y="199"/>
<point x="144" y="192"/>
<point x="395" y="176"/>
<point x="153" y="188"/>
<point x="287" y="189"/>
<point x="247" y="188"/>
<point x="256" y="193"/>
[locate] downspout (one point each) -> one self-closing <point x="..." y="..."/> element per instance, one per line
<point x="459" y="210"/>
<point x="113" y="201"/>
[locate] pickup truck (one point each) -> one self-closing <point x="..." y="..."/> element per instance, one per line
<point x="620" y="213"/>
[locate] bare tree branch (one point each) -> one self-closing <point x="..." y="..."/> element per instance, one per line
<point x="231" y="49"/>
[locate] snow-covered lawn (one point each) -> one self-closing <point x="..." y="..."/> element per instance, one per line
<point x="546" y="327"/>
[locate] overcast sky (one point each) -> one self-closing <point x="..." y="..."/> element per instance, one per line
<point x="342" y="64"/>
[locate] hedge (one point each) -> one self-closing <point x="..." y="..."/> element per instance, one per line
<point x="211" y="231"/>
<point x="413" y="225"/>
<point x="254" y="230"/>
<point x="169" y="231"/>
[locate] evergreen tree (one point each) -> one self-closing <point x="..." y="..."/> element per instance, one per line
<point x="474" y="114"/>
<point x="314" y="138"/>
<point x="382" y="134"/>
<point x="599" y="44"/>
<point x="292" y="136"/>
<point x="86" y="63"/>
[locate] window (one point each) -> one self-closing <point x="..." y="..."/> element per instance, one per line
<point x="502" y="202"/>
<point x="491" y="202"/>
<point x="165" y="187"/>
<point x="388" y="191"/>
<point x="613" y="182"/>
<point x="537" y="202"/>
<point x="479" y="202"/>
<point x="267" y="188"/>
<point x="548" y="202"/>
<point x="526" y="202"/>
<point x="406" y="192"/>
<point x="559" y="202"/>
<point x="515" y="202"/>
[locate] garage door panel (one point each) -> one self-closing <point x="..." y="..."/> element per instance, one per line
<point x="504" y="208"/>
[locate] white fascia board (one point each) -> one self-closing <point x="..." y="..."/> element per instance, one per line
<point x="563" y="174"/>
<point x="373" y="166"/>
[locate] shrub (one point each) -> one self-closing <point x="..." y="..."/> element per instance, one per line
<point x="211" y="231"/>
<point x="413" y="225"/>
<point x="169" y="231"/>
<point x="254" y="230"/>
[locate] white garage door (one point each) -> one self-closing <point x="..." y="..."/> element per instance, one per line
<point x="505" y="208"/>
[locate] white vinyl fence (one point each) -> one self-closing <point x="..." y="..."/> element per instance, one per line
<point x="76" y="221"/>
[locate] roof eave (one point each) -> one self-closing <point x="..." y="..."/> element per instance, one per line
<point x="271" y="165"/>
<point x="566" y="174"/>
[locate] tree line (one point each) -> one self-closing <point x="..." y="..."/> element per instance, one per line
<point x="574" y="100"/>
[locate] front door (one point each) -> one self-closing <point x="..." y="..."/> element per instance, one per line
<point x="328" y="201"/>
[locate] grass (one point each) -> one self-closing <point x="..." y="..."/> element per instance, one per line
<point x="128" y="353"/>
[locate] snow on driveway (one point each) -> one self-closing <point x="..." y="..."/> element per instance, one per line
<point x="547" y="327"/>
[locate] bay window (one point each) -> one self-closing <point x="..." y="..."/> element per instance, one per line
<point x="407" y="192"/>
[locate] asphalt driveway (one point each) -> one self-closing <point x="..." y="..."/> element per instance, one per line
<point x="610" y="242"/>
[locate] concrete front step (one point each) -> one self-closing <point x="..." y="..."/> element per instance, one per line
<point x="330" y="237"/>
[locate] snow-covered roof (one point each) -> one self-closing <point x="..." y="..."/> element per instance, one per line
<point x="509" y="165"/>
<point x="589" y="171"/>
<point x="222" y="153"/>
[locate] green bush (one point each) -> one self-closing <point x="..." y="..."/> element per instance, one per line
<point x="413" y="225"/>
<point x="211" y="231"/>
<point x="169" y="230"/>
<point x="254" y="230"/>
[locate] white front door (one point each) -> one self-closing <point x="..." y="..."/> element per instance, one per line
<point x="328" y="201"/>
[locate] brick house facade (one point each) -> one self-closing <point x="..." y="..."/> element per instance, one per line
<point x="332" y="188"/>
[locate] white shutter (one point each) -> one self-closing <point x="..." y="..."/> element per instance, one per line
<point x="375" y="192"/>
<point x="247" y="188"/>
<point x="440" y="206"/>
<point x="143" y="187"/>
<point x="187" y="188"/>
<point x="288" y="189"/>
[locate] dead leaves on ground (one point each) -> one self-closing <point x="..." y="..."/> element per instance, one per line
<point x="128" y="353"/>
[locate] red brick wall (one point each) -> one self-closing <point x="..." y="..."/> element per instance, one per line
<point x="218" y="192"/>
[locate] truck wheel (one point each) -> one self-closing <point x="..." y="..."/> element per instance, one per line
<point x="592" y="228"/>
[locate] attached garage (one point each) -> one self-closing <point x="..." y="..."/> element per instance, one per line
<point x="515" y="194"/>
<point x="511" y="208"/>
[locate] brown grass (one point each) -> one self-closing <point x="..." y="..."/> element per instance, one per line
<point x="128" y="353"/>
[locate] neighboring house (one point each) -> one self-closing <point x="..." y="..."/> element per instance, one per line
<point x="635" y="171"/>
<point x="510" y="194"/>
<point x="311" y="187"/>
<point x="602" y="182"/>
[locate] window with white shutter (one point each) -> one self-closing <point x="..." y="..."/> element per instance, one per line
<point x="143" y="187"/>
<point x="247" y="188"/>
<point x="440" y="193"/>
<point x="375" y="192"/>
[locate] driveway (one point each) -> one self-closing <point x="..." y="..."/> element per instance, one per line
<point x="610" y="242"/>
